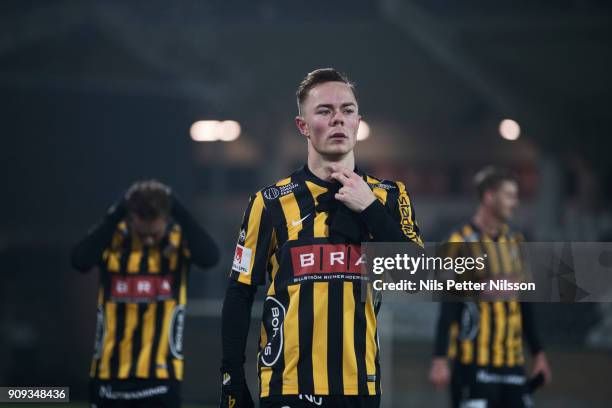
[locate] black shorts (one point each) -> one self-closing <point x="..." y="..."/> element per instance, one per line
<point x="135" y="393"/>
<point x="322" y="401"/>
<point x="484" y="387"/>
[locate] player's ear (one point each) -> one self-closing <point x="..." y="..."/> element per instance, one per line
<point x="302" y="126"/>
<point x="487" y="197"/>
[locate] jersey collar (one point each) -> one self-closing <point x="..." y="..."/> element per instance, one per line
<point x="310" y="176"/>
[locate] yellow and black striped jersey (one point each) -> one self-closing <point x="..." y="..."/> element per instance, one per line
<point x="317" y="336"/>
<point x="141" y="307"/>
<point x="487" y="333"/>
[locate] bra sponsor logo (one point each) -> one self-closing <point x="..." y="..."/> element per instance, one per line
<point x="328" y="258"/>
<point x="141" y="288"/>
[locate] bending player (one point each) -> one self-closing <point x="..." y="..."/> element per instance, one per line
<point x="143" y="248"/>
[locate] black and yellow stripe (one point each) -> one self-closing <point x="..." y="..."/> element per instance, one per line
<point x="498" y="339"/>
<point x="134" y="338"/>
<point x="329" y="337"/>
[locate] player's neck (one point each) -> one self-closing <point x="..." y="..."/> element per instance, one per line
<point x="487" y="222"/>
<point x="320" y="165"/>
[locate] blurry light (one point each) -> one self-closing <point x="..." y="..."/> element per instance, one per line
<point x="364" y="130"/>
<point x="214" y="130"/>
<point x="204" y="131"/>
<point x="229" y="130"/>
<point x="509" y="129"/>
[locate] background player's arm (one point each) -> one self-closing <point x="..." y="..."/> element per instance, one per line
<point x="540" y="362"/>
<point x="204" y="250"/>
<point x="87" y="253"/>
<point x="439" y="373"/>
<point x="449" y="312"/>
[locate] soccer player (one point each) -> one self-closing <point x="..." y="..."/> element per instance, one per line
<point x="484" y="338"/>
<point x="143" y="248"/>
<point x="318" y="344"/>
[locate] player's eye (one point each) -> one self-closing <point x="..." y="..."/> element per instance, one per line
<point x="323" y="112"/>
<point x="349" y="110"/>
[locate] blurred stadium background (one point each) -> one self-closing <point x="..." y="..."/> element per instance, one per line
<point x="96" y="95"/>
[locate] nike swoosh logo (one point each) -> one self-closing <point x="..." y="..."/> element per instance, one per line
<point x="298" y="222"/>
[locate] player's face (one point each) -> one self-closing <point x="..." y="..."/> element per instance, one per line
<point x="149" y="231"/>
<point x="505" y="200"/>
<point x="330" y="119"/>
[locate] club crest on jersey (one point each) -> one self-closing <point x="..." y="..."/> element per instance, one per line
<point x="242" y="259"/>
<point x="271" y="193"/>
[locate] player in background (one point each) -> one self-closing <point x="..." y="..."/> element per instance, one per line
<point x="143" y="248"/>
<point x="484" y="339"/>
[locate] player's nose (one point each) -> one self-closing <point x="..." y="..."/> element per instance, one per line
<point x="337" y="118"/>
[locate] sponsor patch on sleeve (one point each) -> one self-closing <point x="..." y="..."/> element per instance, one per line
<point x="242" y="259"/>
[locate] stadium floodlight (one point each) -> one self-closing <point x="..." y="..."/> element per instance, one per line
<point x="364" y="130"/>
<point x="229" y="130"/>
<point x="215" y="130"/>
<point x="509" y="129"/>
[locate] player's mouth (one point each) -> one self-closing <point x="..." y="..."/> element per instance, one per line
<point x="338" y="136"/>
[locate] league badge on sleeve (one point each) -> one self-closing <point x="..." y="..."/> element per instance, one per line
<point x="242" y="259"/>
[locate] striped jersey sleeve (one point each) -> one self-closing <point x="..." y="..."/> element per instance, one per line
<point x="406" y="215"/>
<point x="255" y="241"/>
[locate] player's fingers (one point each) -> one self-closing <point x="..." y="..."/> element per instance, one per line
<point x="348" y="173"/>
<point x="437" y="382"/>
<point x="342" y="178"/>
<point x="337" y="168"/>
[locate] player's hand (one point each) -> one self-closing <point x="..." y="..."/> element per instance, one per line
<point x="118" y="210"/>
<point x="355" y="192"/>
<point x="235" y="393"/>
<point x="540" y="365"/>
<point x="439" y="373"/>
<point x="148" y="184"/>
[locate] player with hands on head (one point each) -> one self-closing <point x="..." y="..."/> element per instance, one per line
<point x="143" y="249"/>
